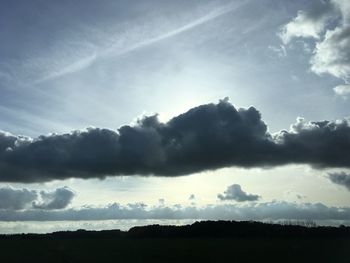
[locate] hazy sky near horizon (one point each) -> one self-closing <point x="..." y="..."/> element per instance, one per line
<point x="69" y="65"/>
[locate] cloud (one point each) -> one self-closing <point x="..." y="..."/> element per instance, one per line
<point x="206" y="137"/>
<point x="235" y="192"/>
<point x="58" y="199"/>
<point x="161" y="201"/>
<point x="332" y="54"/>
<point x="342" y="90"/>
<point x="328" y="23"/>
<point x="192" y="197"/>
<point x="308" y="24"/>
<point x="274" y="210"/>
<point x="129" y="36"/>
<point x="7" y="141"/>
<point x="16" y="199"/>
<point x="341" y="179"/>
<point x="21" y="199"/>
<point x="280" y="51"/>
<point x="322" y="143"/>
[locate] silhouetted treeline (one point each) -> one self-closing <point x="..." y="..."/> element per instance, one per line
<point x="210" y="229"/>
<point x="237" y="229"/>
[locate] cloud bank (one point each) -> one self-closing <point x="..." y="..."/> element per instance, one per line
<point x="274" y="210"/>
<point x="235" y="192"/>
<point x="22" y="199"/>
<point x="206" y="137"/>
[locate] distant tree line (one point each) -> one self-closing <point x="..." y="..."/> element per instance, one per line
<point x="204" y="229"/>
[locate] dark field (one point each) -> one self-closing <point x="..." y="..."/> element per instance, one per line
<point x="176" y="250"/>
<point x="212" y="245"/>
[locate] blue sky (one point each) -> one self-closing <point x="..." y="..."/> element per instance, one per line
<point x="66" y="66"/>
<point x="71" y="65"/>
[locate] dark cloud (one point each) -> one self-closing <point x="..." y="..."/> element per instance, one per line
<point x="16" y="199"/>
<point x="321" y="144"/>
<point x="206" y="137"/>
<point x="274" y="210"/>
<point x="20" y="199"/>
<point x="58" y="199"/>
<point x="341" y="178"/>
<point x="235" y="192"/>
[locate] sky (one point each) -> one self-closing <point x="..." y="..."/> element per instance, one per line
<point x="174" y="110"/>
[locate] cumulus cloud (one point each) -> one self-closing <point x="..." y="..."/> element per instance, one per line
<point x="206" y="137"/>
<point x="341" y="178"/>
<point x="16" y="199"/>
<point x="328" y="23"/>
<point x="274" y="210"/>
<point x="332" y="54"/>
<point x="58" y="199"/>
<point x="21" y="199"/>
<point x="308" y="23"/>
<point x="235" y="192"/>
<point x="322" y="143"/>
<point x="342" y="91"/>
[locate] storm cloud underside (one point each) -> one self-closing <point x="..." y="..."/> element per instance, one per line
<point x="206" y="137"/>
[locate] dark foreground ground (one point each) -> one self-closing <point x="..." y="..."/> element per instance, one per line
<point x="201" y="242"/>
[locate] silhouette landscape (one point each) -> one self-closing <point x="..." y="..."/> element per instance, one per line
<point x="205" y="241"/>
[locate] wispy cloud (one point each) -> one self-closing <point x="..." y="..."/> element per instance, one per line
<point x="116" y="50"/>
<point x="74" y="67"/>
